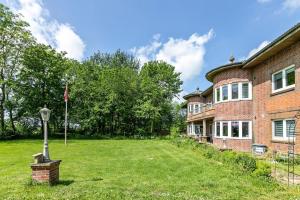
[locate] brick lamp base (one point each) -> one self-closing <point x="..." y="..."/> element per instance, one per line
<point x="46" y="172"/>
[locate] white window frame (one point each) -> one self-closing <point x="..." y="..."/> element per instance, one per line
<point x="229" y="130"/>
<point x="240" y="92"/>
<point x="284" y="137"/>
<point x="284" y="87"/>
<point x="222" y="100"/>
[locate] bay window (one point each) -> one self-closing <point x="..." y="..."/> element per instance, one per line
<point x="233" y="129"/>
<point x="234" y="91"/>
<point x="283" y="79"/>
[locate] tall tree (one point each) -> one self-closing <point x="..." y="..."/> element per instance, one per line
<point x="41" y="82"/>
<point x="14" y="39"/>
<point x="159" y="84"/>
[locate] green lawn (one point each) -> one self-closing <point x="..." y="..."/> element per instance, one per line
<point x="128" y="169"/>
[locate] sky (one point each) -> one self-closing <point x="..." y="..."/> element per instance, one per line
<point x="194" y="36"/>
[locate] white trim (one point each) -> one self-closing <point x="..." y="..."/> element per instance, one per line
<point x="229" y="129"/>
<point x="229" y="90"/>
<point x="284" y="134"/>
<point x="284" y="87"/>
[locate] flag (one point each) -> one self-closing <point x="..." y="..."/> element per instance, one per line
<point x="66" y="96"/>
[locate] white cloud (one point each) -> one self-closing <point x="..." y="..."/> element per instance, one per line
<point x="260" y="46"/>
<point x="49" y="31"/>
<point x="291" y="4"/>
<point x="186" y="55"/>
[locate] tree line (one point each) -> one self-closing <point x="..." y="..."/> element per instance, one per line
<point x="110" y="94"/>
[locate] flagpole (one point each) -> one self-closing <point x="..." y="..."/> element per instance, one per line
<point x="66" y="115"/>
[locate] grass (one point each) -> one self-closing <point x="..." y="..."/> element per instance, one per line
<point x="129" y="169"/>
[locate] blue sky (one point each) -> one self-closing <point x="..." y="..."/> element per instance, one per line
<point x="195" y="36"/>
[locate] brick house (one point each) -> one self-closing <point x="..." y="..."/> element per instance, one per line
<point x="251" y="103"/>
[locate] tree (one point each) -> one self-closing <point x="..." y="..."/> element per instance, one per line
<point x="41" y="82"/>
<point x="104" y="92"/>
<point x="159" y="84"/>
<point x="14" y="39"/>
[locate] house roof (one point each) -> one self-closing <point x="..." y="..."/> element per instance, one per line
<point x="208" y="91"/>
<point x="211" y="74"/>
<point x="192" y="94"/>
<point x="286" y="39"/>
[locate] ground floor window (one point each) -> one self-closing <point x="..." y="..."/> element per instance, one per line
<point x="233" y="129"/>
<point x="282" y="129"/>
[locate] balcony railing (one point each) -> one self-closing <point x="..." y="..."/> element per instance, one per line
<point x="202" y="108"/>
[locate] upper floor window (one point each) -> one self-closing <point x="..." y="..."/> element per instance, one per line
<point x="234" y="91"/>
<point x="225" y="93"/>
<point x="245" y="90"/>
<point x="283" y="79"/>
<point x="218" y="94"/>
<point x="283" y="129"/>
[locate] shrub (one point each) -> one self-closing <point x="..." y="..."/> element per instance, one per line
<point x="246" y="162"/>
<point x="263" y="169"/>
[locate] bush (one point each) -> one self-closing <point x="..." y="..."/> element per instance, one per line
<point x="263" y="169"/>
<point x="246" y="162"/>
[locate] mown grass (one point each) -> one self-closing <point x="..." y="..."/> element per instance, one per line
<point x="129" y="169"/>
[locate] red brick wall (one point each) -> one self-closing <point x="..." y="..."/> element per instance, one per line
<point x="233" y="110"/>
<point x="267" y="106"/>
<point x="234" y="144"/>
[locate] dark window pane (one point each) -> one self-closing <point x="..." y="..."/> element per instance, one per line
<point x="225" y="93"/>
<point x="278" y="128"/>
<point x="290" y="128"/>
<point x="245" y="129"/>
<point x="245" y="90"/>
<point x="218" y="128"/>
<point x="278" y="81"/>
<point x="290" y="76"/>
<point x="225" y="129"/>
<point x="235" y="91"/>
<point x="235" y="129"/>
<point x="196" y="108"/>
<point x="218" y="94"/>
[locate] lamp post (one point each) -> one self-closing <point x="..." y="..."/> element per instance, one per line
<point x="45" y="113"/>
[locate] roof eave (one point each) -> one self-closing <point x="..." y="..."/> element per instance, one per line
<point x="283" y="41"/>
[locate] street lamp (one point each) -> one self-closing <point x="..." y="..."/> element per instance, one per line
<point x="45" y="113"/>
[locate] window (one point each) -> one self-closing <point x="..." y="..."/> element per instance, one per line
<point x="218" y="130"/>
<point x="191" y="107"/>
<point x="196" y="108"/>
<point x="278" y="81"/>
<point x="235" y="91"/>
<point x="235" y="129"/>
<point x="283" y="79"/>
<point x="218" y="94"/>
<point x="245" y="129"/>
<point x="225" y="93"/>
<point x="245" y="90"/>
<point x="290" y="128"/>
<point x="283" y="129"/>
<point x="225" y="129"/>
<point x="278" y="128"/>
<point x="290" y="76"/>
